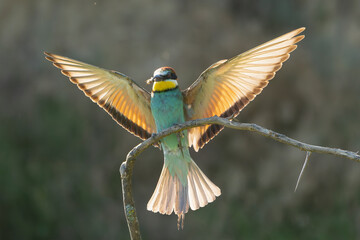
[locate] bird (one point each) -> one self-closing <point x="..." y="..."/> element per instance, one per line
<point x="223" y="90"/>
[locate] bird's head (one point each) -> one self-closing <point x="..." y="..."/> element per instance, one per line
<point x="162" y="74"/>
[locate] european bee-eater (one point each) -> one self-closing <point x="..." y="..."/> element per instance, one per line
<point x="223" y="89"/>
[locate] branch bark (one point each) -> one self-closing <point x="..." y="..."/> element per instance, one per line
<point x="127" y="166"/>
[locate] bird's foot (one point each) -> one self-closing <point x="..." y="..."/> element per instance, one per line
<point x="181" y="134"/>
<point x="158" y="143"/>
<point x="232" y="117"/>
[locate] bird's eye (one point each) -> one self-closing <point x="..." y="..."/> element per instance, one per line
<point x="173" y="76"/>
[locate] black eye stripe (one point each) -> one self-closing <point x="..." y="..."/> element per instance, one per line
<point x="169" y="75"/>
<point x="173" y="75"/>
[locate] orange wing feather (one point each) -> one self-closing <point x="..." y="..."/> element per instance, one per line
<point x="117" y="94"/>
<point x="227" y="86"/>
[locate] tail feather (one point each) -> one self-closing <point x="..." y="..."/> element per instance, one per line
<point x="204" y="191"/>
<point x="154" y="201"/>
<point x="194" y="203"/>
<point x="172" y="195"/>
<point x="163" y="196"/>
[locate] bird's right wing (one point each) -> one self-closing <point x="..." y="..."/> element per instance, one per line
<point x="117" y="94"/>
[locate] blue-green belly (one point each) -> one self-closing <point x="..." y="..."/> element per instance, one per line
<point x="167" y="109"/>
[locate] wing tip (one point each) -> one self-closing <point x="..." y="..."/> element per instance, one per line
<point x="297" y="31"/>
<point x="291" y="49"/>
<point x="49" y="58"/>
<point x="52" y="58"/>
<point x="298" y="38"/>
<point x="301" y="29"/>
<point x="58" y="65"/>
<point x="66" y="73"/>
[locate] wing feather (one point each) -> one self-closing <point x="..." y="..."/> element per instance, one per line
<point x="117" y="94"/>
<point x="227" y="86"/>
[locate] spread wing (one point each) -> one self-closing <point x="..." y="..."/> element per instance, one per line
<point x="117" y="94"/>
<point x="227" y="86"/>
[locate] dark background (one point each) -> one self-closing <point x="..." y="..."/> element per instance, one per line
<point x="60" y="153"/>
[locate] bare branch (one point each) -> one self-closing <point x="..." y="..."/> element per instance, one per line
<point x="126" y="170"/>
<point x="127" y="166"/>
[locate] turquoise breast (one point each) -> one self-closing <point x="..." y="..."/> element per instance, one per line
<point x="167" y="110"/>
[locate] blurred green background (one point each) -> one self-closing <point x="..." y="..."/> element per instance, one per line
<point x="60" y="153"/>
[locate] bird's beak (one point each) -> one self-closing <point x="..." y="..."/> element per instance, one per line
<point x="150" y="80"/>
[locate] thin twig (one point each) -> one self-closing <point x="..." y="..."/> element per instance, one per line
<point x="127" y="166"/>
<point x="302" y="170"/>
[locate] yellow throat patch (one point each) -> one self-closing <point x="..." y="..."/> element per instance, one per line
<point x="164" y="85"/>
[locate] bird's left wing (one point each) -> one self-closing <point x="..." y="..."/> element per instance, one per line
<point x="228" y="86"/>
<point x="117" y="94"/>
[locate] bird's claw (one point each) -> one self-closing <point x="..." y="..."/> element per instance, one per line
<point x="231" y="117"/>
<point x="158" y="143"/>
<point x="180" y="135"/>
